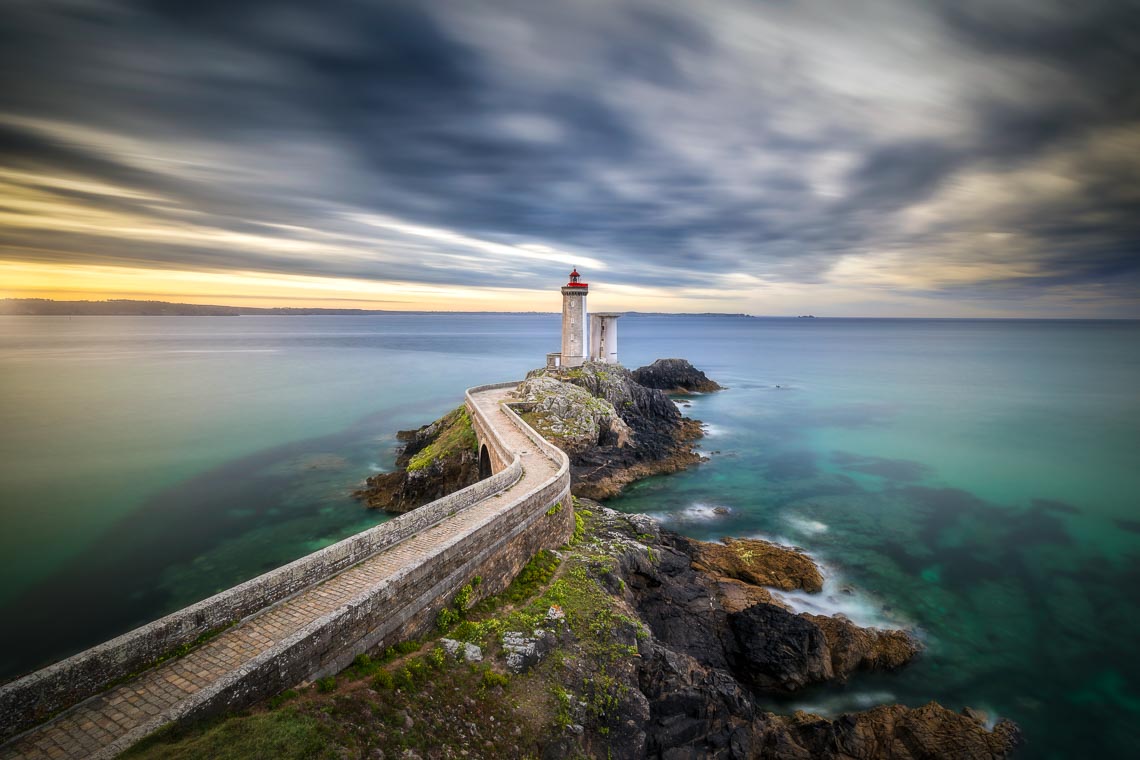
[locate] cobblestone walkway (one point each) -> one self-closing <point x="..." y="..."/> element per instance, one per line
<point x="88" y="729"/>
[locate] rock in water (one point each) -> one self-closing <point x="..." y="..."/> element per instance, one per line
<point x="436" y="460"/>
<point x="759" y="563"/>
<point x="889" y="731"/>
<point x="674" y="376"/>
<point x="853" y="648"/>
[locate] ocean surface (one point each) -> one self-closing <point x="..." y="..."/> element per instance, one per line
<point x="977" y="481"/>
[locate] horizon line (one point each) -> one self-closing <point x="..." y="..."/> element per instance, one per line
<point x="334" y="311"/>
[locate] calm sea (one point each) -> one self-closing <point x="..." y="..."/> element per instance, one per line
<point x="976" y="480"/>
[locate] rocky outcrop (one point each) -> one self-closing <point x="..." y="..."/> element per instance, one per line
<point x="622" y="645"/>
<point x="888" y="731"/>
<point x="674" y="376"/>
<point x="853" y="648"/>
<point x="614" y="429"/>
<point x="758" y="563"/>
<point x="708" y="657"/>
<point x="437" y="459"/>
<point x="571" y="416"/>
<point x="714" y="602"/>
<point x="698" y="713"/>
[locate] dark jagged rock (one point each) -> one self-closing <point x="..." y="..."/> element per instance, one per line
<point x="700" y="712"/>
<point x="437" y="459"/>
<point x="713" y="602"/>
<point x="853" y="648"/>
<point x="674" y="376"/>
<point x="929" y="732"/>
<point x="779" y="650"/>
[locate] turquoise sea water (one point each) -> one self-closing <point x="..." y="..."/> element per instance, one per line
<point x="976" y="480"/>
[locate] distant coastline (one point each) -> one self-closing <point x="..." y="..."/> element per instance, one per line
<point x="46" y="307"/>
<point x="128" y="308"/>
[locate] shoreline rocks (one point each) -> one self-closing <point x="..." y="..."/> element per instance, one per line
<point x="675" y="376"/>
<point x="714" y="602"/>
<point x="710" y="655"/>
<point x="437" y="460"/>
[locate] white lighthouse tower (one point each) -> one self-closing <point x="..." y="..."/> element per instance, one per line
<point x="574" y="321"/>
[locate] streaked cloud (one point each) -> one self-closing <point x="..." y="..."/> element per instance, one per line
<point x="944" y="158"/>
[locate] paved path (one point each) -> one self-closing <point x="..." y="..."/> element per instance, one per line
<point x="87" y="729"/>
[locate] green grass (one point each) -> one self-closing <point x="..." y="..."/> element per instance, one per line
<point x="579" y="527"/>
<point x="282" y="698"/>
<point x="281" y="734"/>
<point x="456" y="434"/>
<point x="534" y="575"/>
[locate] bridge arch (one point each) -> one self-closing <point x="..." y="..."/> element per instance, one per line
<point x="484" y="462"/>
<point x="494" y="457"/>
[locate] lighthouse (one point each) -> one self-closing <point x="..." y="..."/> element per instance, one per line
<point x="574" y="321"/>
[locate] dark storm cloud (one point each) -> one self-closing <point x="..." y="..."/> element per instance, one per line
<point x="677" y="143"/>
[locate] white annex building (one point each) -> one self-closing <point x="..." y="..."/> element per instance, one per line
<point x="598" y="344"/>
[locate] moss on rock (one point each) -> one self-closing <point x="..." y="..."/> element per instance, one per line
<point x="437" y="459"/>
<point x="455" y="436"/>
<point x="571" y="417"/>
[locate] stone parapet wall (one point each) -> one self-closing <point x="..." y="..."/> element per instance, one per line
<point x="30" y="700"/>
<point x="402" y="608"/>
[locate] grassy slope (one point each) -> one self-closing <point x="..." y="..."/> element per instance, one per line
<point x="456" y="434"/>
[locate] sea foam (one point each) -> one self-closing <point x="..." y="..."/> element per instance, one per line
<point x="804" y="525"/>
<point x="837" y="597"/>
<point x="840" y="598"/>
<point x="712" y="431"/>
<point x="836" y="704"/>
<point x="694" y="513"/>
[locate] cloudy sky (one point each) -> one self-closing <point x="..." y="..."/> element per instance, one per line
<point x="837" y="157"/>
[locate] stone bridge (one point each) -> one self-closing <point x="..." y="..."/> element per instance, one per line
<point x="309" y="618"/>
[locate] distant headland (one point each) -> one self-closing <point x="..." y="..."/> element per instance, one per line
<point x="123" y="307"/>
<point x="44" y="307"/>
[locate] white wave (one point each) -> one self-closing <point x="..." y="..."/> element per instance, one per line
<point x="374" y="467"/>
<point x="696" y="512"/>
<point x="779" y="541"/>
<point x="712" y="431"/>
<point x="840" y="598"/>
<point x="804" y="525"/>
<point x="837" y="704"/>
